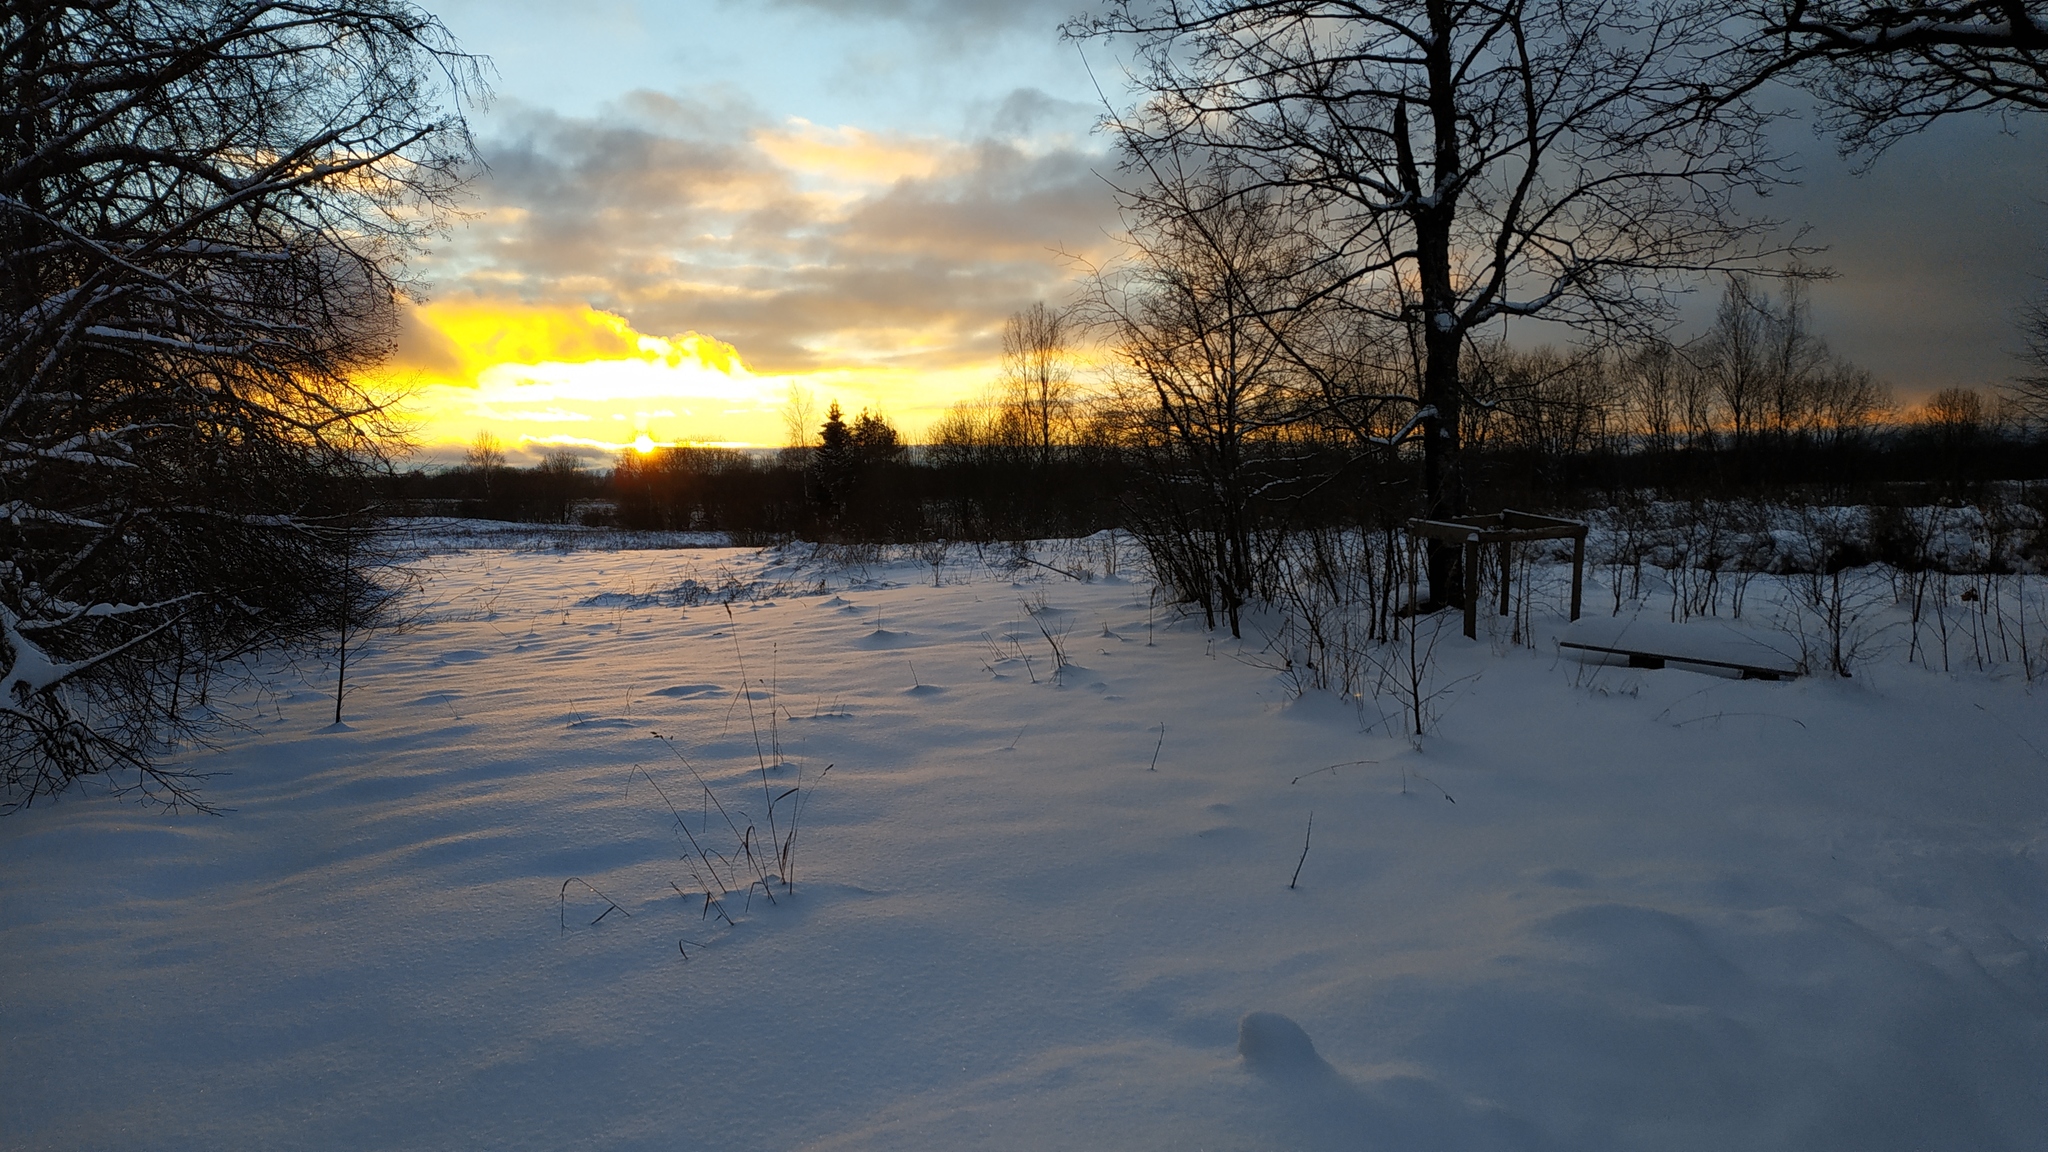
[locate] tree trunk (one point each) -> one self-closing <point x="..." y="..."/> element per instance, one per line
<point x="1442" y="465"/>
<point x="1442" y="331"/>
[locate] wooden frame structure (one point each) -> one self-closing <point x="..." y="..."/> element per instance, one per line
<point x="1504" y="528"/>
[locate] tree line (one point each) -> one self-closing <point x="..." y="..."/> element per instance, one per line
<point x="1756" y="404"/>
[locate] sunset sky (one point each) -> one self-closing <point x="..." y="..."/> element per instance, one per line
<point x="693" y="205"/>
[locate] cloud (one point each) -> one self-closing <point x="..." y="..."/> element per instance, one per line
<point x="850" y="156"/>
<point x="1935" y="247"/>
<point x="953" y="17"/>
<point x="463" y="340"/>
<point x="1028" y="112"/>
<point x="454" y="341"/>
<point x="806" y="246"/>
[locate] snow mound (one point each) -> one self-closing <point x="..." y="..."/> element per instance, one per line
<point x="688" y="691"/>
<point x="883" y="638"/>
<point x="1273" y="1045"/>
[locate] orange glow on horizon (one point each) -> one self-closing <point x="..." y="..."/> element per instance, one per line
<point x="542" y="377"/>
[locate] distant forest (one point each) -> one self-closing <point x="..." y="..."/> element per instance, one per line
<point x="1549" y="432"/>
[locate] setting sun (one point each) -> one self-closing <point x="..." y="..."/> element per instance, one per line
<point x="547" y="377"/>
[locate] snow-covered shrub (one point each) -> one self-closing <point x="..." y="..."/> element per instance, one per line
<point x="202" y="244"/>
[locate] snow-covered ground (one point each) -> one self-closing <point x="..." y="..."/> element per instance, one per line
<point x="1597" y="908"/>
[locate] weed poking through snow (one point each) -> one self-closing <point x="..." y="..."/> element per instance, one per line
<point x="1304" y="851"/>
<point x="747" y="862"/>
<point x="1053" y="628"/>
<point x="562" y="903"/>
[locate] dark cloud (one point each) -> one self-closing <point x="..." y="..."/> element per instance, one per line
<point x="1934" y="247"/>
<point x="953" y="16"/>
<point x="1027" y="112"/>
<point x="794" y="243"/>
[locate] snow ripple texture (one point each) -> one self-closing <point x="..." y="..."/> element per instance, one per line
<point x="1597" y="908"/>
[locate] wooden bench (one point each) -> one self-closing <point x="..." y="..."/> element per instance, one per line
<point x="1643" y="658"/>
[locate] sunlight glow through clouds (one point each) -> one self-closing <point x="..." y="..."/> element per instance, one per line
<point x="870" y="267"/>
<point x="542" y="377"/>
<point x="848" y="155"/>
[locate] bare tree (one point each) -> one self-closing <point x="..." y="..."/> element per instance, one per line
<point x="1038" y="375"/>
<point x="1850" y="400"/>
<point x="1200" y="315"/>
<point x="203" y="212"/>
<point x="799" y="413"/>
<point x="2031" y="388"/>
<point x="1885" y="70"/>
<point x="984" y="427"/>
<point x="1798" y="363"/>
<point x="1734" y="357"/>
<point x="1651" y="376"/>
<point x="1463" y="162"/>
<point x="1957" y="418"/>
<point x="1558" y="405"/>
<point x="560" y="479"/>
<point x="1773" y="378"/>
<point x="486" y="457"/>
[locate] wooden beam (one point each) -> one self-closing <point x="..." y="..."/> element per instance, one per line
<point x="1509" y="518"/>
<point x="1442" y="530"/>
<point x="1505" y="568"/>
<point x="1458" y="533"/>
<point x="1578" y="571"/>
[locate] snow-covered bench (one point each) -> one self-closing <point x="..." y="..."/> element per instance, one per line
<point x="1706" y="643"/>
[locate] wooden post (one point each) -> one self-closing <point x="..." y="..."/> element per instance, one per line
<point x="1504" y="570"/>
<point x="1415" y="555"/>
<point x="1578" y="570"/>
<point x="1472" y="587"/>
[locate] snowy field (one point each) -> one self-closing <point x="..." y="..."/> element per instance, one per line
<point x="1597" y="908"/>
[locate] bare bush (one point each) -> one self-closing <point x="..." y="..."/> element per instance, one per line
<point x="1833" y="603"/>
<point x="1206" y="394"/>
